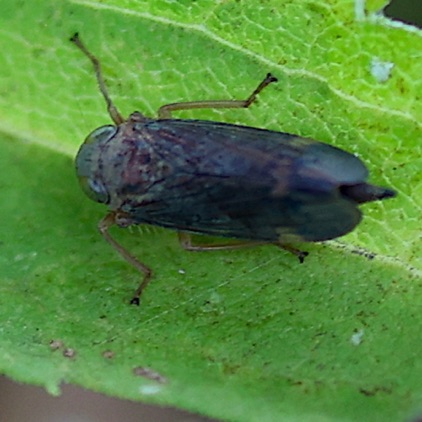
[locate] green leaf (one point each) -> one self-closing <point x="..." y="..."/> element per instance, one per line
<point x="245" y="335"/>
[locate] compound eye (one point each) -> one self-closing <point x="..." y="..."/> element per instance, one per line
<point x="88" y="159"/>
<point x="95" y="190"/>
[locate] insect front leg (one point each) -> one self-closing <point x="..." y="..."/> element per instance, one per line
<point x="165" y="111"/>
<point x="111" y="108"/>
<point x="115" y="218"/>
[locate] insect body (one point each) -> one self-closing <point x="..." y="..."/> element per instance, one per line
<point x="219" y="179"/>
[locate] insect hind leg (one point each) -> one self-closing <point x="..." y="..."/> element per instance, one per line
<point x="188" y="244"/>
<point x="300" y="254"/>
<point x="165" y="111"/>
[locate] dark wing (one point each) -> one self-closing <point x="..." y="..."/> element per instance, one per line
<point x="241" y="182"/>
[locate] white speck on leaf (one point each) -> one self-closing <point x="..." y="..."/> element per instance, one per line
<point x="380" y="70"/>
<point x="149" y="390"/>
<point x="356" y="338"/>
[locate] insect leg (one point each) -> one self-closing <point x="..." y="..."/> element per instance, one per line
<point x="300" y="254"/>
<point x="165" y="111"/>
<point x="186" y="242"/>
<point x="112" y="110"/>
<point x="103" y="226"/>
